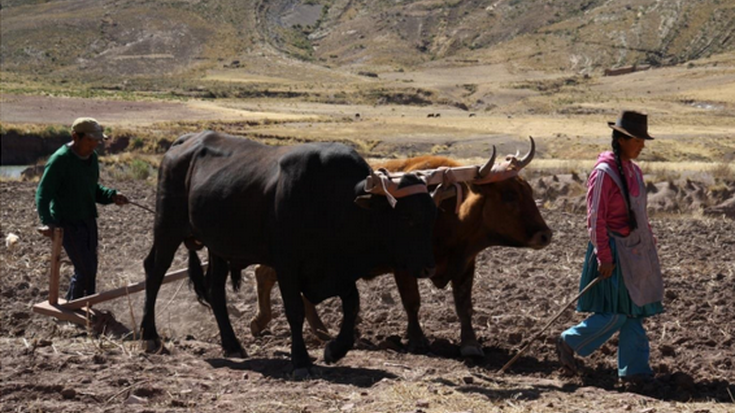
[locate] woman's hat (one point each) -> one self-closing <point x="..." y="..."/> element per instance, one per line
<point x="633" y="124"/>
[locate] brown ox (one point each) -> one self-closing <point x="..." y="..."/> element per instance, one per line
<point x="499" y="213"/>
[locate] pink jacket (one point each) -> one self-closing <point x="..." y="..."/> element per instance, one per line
<point x="606" y="208"/>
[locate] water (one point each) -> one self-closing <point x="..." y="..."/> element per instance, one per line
<point x="12" y="171"/>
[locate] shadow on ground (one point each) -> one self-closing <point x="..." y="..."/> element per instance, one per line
<point x="281" y="369"/>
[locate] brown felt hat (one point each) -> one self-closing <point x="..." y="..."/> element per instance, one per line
<point x="633" y="124"/>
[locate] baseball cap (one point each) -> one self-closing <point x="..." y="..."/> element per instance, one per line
<point x="90" y="127"/>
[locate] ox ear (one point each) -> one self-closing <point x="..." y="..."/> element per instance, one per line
<point x="371" y="202"/>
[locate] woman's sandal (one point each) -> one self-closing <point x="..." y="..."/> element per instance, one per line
<point x="566" y="356"/>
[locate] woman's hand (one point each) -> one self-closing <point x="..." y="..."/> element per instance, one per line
<point x="606" y="269"/>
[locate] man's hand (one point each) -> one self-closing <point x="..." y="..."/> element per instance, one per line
<point x="606" y="269"/>
<point x="119" y="199"/>
<point x="46" y="230"/>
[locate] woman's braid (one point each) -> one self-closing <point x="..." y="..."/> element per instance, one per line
<point x="616" y="150"/>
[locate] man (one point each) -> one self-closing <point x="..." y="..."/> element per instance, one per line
<point x="66" y="198"/>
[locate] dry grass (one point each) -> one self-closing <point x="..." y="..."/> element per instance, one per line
<point x="658" y="171"/>
<point x="723" y="170"/>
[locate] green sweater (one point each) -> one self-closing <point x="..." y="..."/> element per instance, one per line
<point x="69" y="189"/>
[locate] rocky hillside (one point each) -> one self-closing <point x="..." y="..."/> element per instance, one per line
<point x="570" y="34"/>
<point x="122" y="37"/>
<point x="63" y="39"/>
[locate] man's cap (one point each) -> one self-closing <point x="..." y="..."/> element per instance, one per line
<point x="90" y="127"/>
<point x="633" y="124"/>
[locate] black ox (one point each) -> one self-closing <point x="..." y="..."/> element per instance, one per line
<point x="303" y="210"/>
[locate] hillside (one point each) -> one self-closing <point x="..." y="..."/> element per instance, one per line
<point x="60" y="39"/>
<point x="574" y="35"/>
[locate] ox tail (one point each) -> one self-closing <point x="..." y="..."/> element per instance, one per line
<point x="236" y="277"/>
<point x="197" y="279"/>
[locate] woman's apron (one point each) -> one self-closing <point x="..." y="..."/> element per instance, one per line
<point x="636" y="253"/>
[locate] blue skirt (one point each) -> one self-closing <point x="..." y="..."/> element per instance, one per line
<point x="610" y="295"/>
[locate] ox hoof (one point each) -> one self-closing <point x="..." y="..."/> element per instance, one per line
<point x="255" y="329"/>
<point x="302" y="373"/>
<point x="236" y="354"/>
<point x="322" y="335"/>
<point x="471" y="350"/>
<point x="333" y="352"/>
<point x="154" y="346"/>
<point x="418" y="346"/>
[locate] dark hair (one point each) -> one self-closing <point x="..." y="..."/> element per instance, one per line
<point x="616" y="136"/>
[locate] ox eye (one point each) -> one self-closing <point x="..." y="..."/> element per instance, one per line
<point x="509" y="196"/>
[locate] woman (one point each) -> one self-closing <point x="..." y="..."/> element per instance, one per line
<point x="622" y="253"/>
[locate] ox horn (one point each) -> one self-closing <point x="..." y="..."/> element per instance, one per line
<point x="529" y="156"/>
<point x="485" y="169"/>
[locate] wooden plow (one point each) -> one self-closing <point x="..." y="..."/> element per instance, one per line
<point x="80" y="311"/>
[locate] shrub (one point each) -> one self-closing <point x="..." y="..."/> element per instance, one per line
<point x="139" y="170"/>
<point x="137" y="143"/>
<point x="49" y="131"/>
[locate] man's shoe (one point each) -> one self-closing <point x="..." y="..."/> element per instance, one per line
<point x="566" y="356"/>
